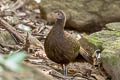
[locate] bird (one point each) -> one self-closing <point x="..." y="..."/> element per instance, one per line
<point x="59" y="45"/>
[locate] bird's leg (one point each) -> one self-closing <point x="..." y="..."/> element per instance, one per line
<point x="65" y="69"/>
<point x="62" y="66"/>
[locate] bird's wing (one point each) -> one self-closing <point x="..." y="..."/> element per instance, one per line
<point x="73" y="41"/>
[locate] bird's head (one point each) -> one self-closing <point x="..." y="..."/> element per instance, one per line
<point x="59" y="14"/>
<point x="56" y="15"/>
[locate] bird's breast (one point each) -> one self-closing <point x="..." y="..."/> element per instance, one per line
<point x="55" y="51"/>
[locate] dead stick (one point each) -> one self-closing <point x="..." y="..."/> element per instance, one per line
<point x="12" y="30"/>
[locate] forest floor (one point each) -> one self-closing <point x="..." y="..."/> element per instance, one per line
<point x="38" y="29"/>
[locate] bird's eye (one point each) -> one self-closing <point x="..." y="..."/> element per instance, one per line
<point x="58" y="14"/>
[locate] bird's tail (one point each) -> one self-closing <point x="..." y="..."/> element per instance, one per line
<point x="87" y="56"/>
<point x="86" y="50"/>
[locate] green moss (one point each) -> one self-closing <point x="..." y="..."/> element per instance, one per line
<point x="109" y="57"/>
<point x="117" y="33"/>
<point x="95" y="40"/>
<point x="116" y="46"/>
<point x="112" y="44"/>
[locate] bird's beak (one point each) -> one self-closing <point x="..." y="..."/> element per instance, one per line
<point x="58" y="16"/>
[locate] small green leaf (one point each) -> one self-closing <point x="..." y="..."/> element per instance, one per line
<point x="14" y="60"/>
<point x="2" y="60"/>
<point x="24" y="27"/>
<point x="38" y="1"/>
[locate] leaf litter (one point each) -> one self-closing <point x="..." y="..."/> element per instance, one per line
<point x="34" y="29"/>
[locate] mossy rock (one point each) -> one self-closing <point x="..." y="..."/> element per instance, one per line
<point x="109" y="40"/>
<point x="103" y="38"/>
<point x="111" y="62"/>
<point x="113" y="26"/>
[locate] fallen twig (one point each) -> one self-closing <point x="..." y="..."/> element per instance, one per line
<point x="12" y="30"/>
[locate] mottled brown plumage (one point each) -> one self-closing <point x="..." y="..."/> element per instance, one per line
<point x="60" y="46"/>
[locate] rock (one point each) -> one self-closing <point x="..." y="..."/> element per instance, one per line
<point x="113" y="26"/>
<point x="79" y="78"/>
<point x="84" y="15"/>
<point x="109" y="40"/>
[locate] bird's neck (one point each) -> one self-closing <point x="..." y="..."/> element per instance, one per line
<point x="59" y="24"/>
